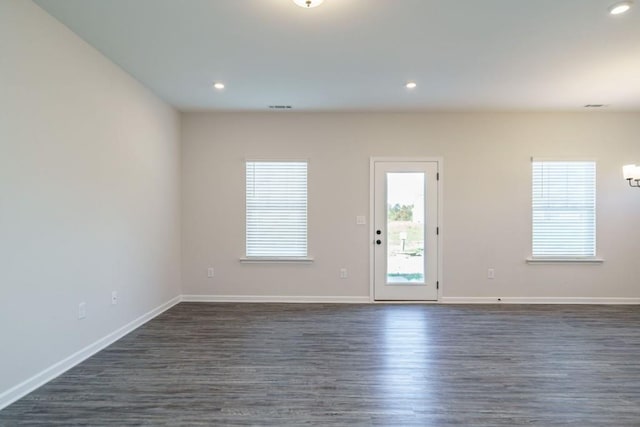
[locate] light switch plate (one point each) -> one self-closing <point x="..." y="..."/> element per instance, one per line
<point x="361" y="220"/>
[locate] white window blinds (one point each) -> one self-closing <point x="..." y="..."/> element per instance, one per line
<point x="564" y="209"/>
<point x="276" y="209"/>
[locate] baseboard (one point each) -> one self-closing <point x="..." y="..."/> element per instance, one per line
<point x="539" y="300"/>
<point x="41" y="378"/>
<point x="281" y="299"/>
<point x="443" y="300"/>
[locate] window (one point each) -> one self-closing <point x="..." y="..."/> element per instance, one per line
<point x="276" y="224"/>
<point x="564" y="210"/>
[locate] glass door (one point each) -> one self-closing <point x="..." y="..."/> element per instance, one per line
<point x="405" y="230"/>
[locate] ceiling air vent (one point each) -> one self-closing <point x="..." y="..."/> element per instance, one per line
<point x="594" y="106"/>
<point x="280" y="107"/>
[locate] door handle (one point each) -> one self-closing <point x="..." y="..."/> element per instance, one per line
<point x="378" y="242"/>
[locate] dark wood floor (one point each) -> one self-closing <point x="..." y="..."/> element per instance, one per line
<point x="393" y="365"/>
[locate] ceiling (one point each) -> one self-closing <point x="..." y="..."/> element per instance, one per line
<point x="357" y="55"/>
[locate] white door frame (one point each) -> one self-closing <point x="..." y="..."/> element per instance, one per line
<point x="372" y="162"/>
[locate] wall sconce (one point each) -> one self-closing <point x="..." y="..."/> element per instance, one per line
<point x="632" y="173"/>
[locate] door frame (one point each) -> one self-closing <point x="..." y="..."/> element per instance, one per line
<point x="372" y="161"/>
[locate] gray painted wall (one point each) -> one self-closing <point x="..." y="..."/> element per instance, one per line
<point x="89" y="194"/>
<point x="487" y="199"/>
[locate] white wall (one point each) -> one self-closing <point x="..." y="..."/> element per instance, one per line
<point x="487" y="181"/>
<point x="89" y="194"/>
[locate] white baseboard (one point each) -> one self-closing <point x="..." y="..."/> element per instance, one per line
<point x="443" y="300"/>
<point x="43" y="377"/>
<point x="281" y="299"/>
<point x="539" y="300"/>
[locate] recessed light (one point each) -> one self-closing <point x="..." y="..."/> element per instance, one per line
<point x="218" y="86"/>
<point x="307" y="4"/>
<point x="411" y="85"/>
<point x="620" y="7"/>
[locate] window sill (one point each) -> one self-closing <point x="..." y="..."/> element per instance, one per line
<point x="276" y="260"/>
<point x="594" y="260"/>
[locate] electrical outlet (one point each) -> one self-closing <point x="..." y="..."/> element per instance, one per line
<point x="114" y="297"/>
<point x="343" y="273"/>
<point x="82" y="310"/>
<point x="491" y="273"/>
<point x="210" y="272"/>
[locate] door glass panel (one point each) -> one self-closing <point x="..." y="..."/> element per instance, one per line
<point x="405" y="228"/>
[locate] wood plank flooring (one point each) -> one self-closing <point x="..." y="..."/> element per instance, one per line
<point x="382" y="365"/>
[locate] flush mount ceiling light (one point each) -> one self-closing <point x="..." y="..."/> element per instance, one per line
<point x="308" y="4"/>
<point x="218" y="85"/>
<point x="411" y="85"/>
<point x="619" y="8"/>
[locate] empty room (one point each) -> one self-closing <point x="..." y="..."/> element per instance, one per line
<point x="319" y="212"/>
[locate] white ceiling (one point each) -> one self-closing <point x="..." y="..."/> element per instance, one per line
<point x="356" y="55"/>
